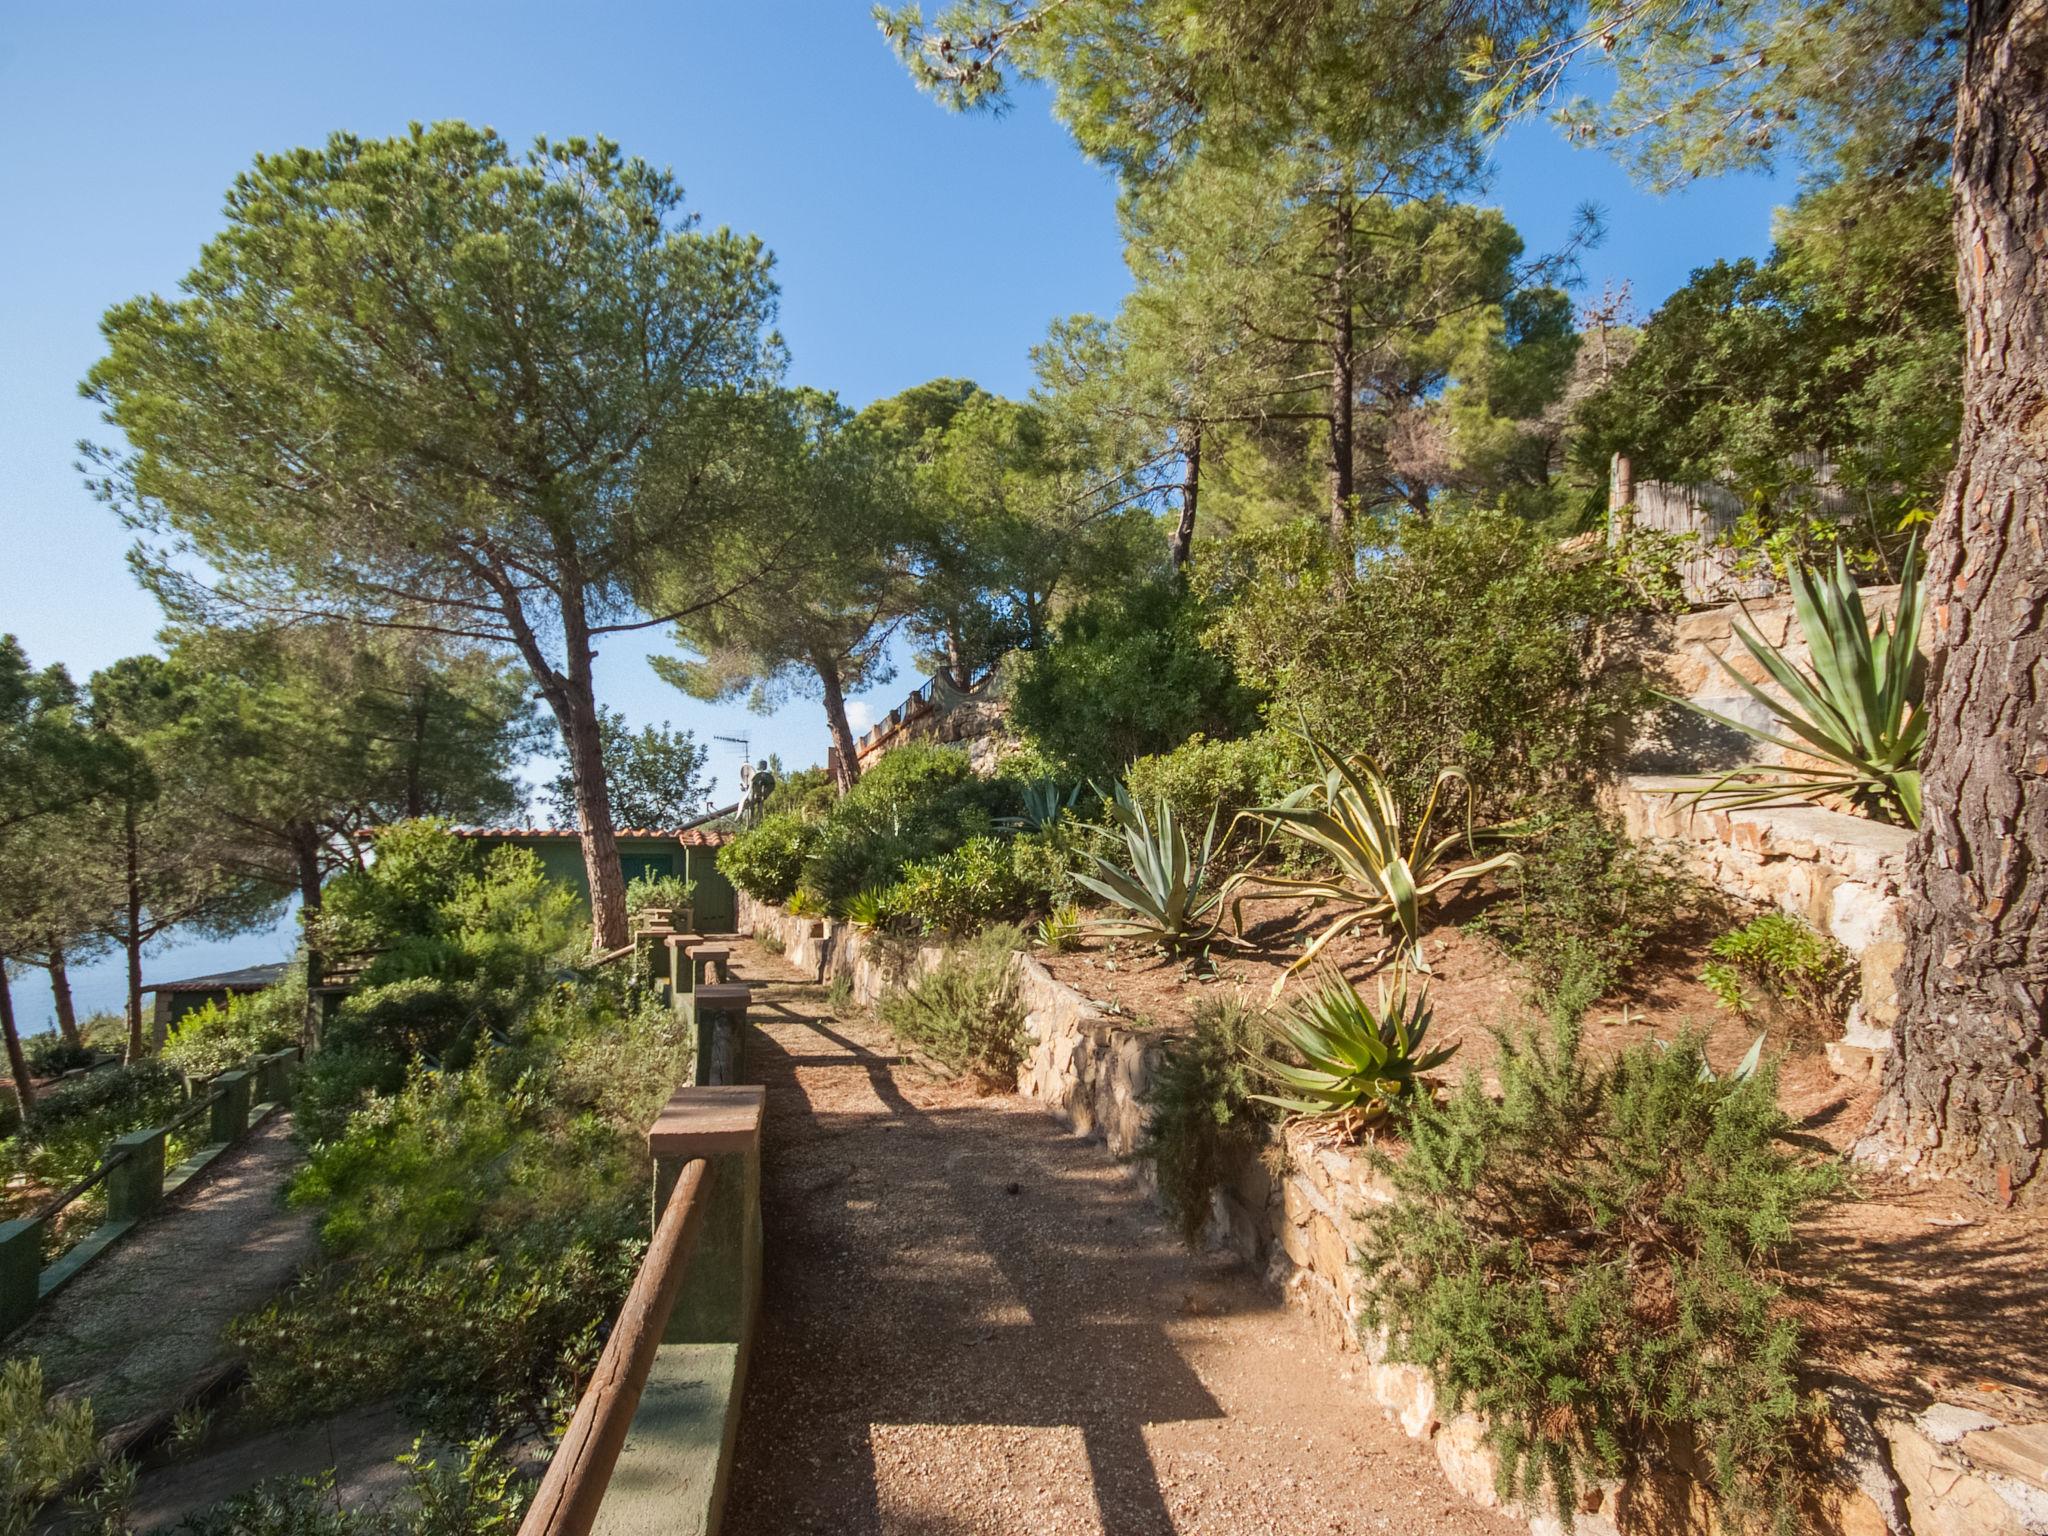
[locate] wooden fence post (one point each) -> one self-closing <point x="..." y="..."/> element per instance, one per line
<point x="721" y="1020"/>
<point x="231" y="1109"/>
<point x="21" y="1269"/>
<point x="722" y="1291"/>
<point x="135" y="1185"/>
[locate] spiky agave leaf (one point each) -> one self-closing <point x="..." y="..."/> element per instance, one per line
<point x="1354" y="819"/>
<point x="1357" y="1057"/>
<point x="1858" y="709"/>
<point x="1162" y="890"/>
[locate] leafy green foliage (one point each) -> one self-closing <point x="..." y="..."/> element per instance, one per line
<point x="478" y="1225"/>
<point x="217" y="1037"/>
<point x="767" y="859"/>
<point x="1584" y="904"/>
<point x="655" y="776"/>
<point x="1202" y="1114"/>
<point x="1201" y="777"/>
<point x="53" y="1055"/>
<point x="1857" y="708"/>
<point x="1126" y="675"/>
<point x="1465" y="644"/>
<point x="1060" y="929"/>
<point x="917" y="802"/>
<point x="68" y="1131"/>
<point x="972" y="885"/>
<point x="1162" y="892"/>
<point x="1046" y="860"/>
<point x="965" y="1012"/>
<point x="1357" y="1058"/>
<point x="1843" y="348"/>
<point x="480" y="1494"/>
<point x="1353" y="820"/>
<point x="1589" y="1260"/>
<point x="668" y="893"/>
<point x="1774" y="960"/>
<point x="43" y="1445"/>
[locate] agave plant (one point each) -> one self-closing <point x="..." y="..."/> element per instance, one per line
<point x="869" y="908"/>
<point x="1857" y="709"/>
<point x="1161" y="892"/>
<point x="1358" y="1057"/>
<point x="1058" y="929"/>
<point x="1043" y="804"/>
<point x="1353" y="819"/>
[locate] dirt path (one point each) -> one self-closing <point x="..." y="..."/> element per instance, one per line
<point x="145" y="1318"/>
<point x="975" y="1323"/>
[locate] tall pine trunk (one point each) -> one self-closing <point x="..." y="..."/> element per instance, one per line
<point x="17" y="1064"/>
<point x="575" y="702"/>
<point x="60" y="997"/>
<point x="846" y="752"/>
<point x="1183" y="542"/>
<point x="1963" y="1086"/>
<point x="131" y="933"/>
<point x="306" y="857"/>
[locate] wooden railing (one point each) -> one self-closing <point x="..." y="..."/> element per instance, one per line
<point x="137" y="1181"/>
<point x="580" y="1472"/>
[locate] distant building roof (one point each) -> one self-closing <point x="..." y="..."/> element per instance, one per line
<point x="251" y="978"/>
<point x="695" y="835"/>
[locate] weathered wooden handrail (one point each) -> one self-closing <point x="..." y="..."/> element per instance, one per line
<point x="567" y="1502"/>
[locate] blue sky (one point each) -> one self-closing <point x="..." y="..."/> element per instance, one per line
<point x="910" y="243"/>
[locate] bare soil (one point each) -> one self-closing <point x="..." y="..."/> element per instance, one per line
<point x="974" y="1322"/>
<point x="1915" y="1293"/>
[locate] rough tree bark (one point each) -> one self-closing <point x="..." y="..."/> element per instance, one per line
<point x="17" y="1064"/>
<point x="1963" y="1086"/>
<point x="131" y="936"/>
<point x="306" y="856"/>
<point x="1183" y="542"/>
<point x="846" y="761"/>
<point x="60" y="997"/>
<point x="1339" y="465"/>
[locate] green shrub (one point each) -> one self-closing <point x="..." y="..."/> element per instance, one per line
<point x="965" y="1013"/>
<point x="805" y="792"/>
<point x="1584" y="905"/>
<point x="218" y="1037"/>
<point x="418" y="869"/>
<point x="767" y="859"/>
<point x="424" y="1016"/>
<point x="1124" y="676"/>
<point x="665" y="892"/>
<point x="1779" y="966"/>
<point x="479" y="1495"/>
<point x="1200" y="776"/>
<point x="1203" y="1118"/>
<point x="1046" y="859"/>
<point x="43" y="1445"/>
<point x="334" y="1085"/>
<point x="72" y="1124"/>
<point x="973" y="885"/>
<point x="53" y="1055"/>
<point x="1466" y="643"/>
<point x="1589" y="1259"/>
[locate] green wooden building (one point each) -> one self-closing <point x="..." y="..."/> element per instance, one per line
<point x="688" y="855"/>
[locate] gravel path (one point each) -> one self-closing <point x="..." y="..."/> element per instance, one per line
<point x="145" y="1317"/>
<point x="974" y="1322"/>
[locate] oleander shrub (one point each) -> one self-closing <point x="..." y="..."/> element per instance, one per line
<point x="1202" y="1116"/>
<point x="1592" y="1258"/>
<point x="965" y="1013"/>
<point x="1779" y="967"/>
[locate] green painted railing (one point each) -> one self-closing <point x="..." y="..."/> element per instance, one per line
<point x="137" y="1181"/>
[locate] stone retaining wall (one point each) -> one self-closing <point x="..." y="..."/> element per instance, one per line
<point x="1293" y="1215"/>
<point x="1843" y="874"/>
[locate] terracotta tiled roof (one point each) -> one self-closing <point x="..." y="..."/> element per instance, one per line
<point x="693" y="837"/>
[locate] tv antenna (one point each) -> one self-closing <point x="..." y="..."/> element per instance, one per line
<point x="746" y="757"/>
